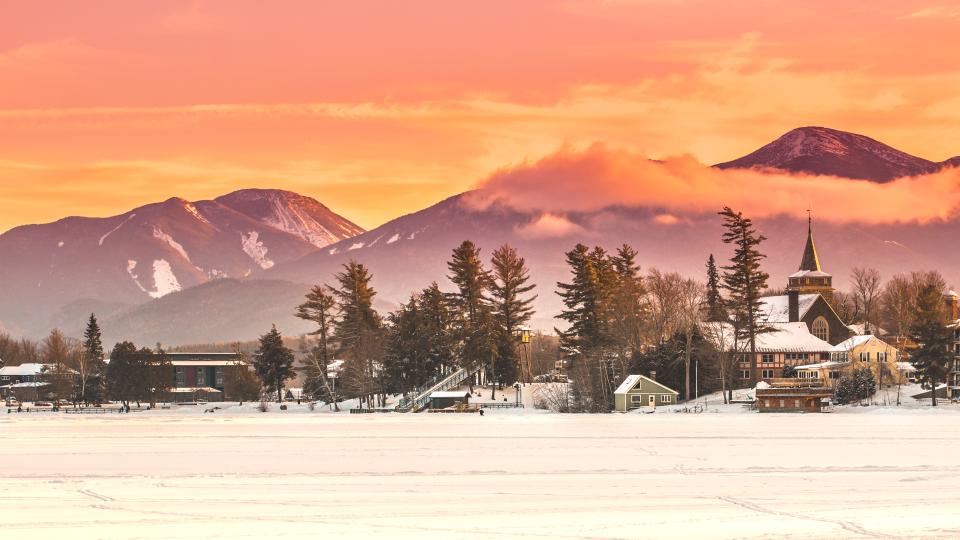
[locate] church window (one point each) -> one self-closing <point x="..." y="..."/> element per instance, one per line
<point x="821" y="329"/>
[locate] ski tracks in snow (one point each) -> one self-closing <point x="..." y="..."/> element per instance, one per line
<point x="845" y="525"/>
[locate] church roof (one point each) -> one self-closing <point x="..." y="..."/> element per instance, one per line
<point x="810" y="261"/>
<point x="776" y="309"/>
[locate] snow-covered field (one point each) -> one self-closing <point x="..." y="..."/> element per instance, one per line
<point x="508" y="474"/>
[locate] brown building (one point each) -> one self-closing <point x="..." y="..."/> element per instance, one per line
<point x="792" y="395"/>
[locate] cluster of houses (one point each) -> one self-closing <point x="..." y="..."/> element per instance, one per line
<point x="807" y="349"/>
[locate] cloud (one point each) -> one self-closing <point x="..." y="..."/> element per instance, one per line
<point x="549" y="225"/>
<point x="572" y="180"/>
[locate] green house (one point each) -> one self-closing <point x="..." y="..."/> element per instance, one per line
<point x="639" y="391"/>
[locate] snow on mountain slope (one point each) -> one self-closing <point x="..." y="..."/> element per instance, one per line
<point x="147" y="253"/>
<point x="824" y="151"/>
<point x="295" y="214"/>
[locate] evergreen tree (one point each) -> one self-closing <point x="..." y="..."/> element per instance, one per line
<point x="318" y="308"/>
<point x="628" y="306"/>
<point x="744" y="280"/>
<point x="273" y="362"/>
<point x="406" y="354"/>
<point x="511" y="309"/>
<point x="436" y="319"/>
<point x="474" y="318"/>
<point x="359" y="333"/>
<point x="714" y="301"/>
<point x="930" y="333"/>
<point x="94" y="367"/>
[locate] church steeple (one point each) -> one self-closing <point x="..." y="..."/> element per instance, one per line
<point x="810" y="261"/>
<point x="810" y="277"/>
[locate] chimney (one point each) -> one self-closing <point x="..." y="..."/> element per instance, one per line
<point x="653" y="375"/>
<point x="793" y="303"/>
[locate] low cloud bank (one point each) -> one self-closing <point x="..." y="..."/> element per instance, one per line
<point x="573" y="180"/>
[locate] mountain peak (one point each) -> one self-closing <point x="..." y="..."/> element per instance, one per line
<point x="293" y="213"/>
<point x="824" y="151"/>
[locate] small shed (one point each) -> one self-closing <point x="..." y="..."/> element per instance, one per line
<point x="442" y="400"/>
<point x="638" y="391"/>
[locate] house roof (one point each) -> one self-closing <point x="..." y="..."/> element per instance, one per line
<point x="455" y="394"/>
<point x="633" y="380"/>
<point x="204" y="363"/>
<point x="22" y="370"/>
<point x="861" y="329"/>
<point x="855" y="341"/>
<point x="776" y="309"/>
<point x="201" y="355"/>
<point x="783" y="337"/>
<point x="824" y="365"/>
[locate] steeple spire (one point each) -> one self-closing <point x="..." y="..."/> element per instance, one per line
<point x="810" y="260"/>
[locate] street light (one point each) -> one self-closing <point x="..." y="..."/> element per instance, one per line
<point x="517" y="387"/>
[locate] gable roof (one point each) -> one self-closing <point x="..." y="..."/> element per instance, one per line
<point x="855" y="341"/>
<point x="632" y="381"/>
<point x="776" y="309"/>
<point x="783" y="337"/>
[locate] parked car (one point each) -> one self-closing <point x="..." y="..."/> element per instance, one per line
<point x="12" y="402"/>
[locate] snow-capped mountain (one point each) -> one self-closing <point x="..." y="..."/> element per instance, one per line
<point x="152" y="251"/>
<point x="824" y="151"/>
<point x="293" y="213"/>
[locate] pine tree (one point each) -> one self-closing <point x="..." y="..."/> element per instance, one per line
<point x="628" y="306"/>
<point x="474" y="324"/>
<point x="318" y="308"/>
<point x="714" y="301"/>
<point x="932" y="355"/>
<point x="744" y="280"/>
<point x="511" y="309"/>
<point x="94" y="367"/>
<point x="436" y="318"/>
<point x="273" y="362"/>
<point x="358" y="331"/>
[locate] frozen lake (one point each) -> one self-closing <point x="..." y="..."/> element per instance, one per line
<point x="164" y="475"/>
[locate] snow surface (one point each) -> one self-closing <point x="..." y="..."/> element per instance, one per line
<point x="115" y="229"/>
<point x="167" y="239"/>
<point x="164" y="281"/>
<point x="393" y="238"/>
<point x="255" y="249"/>
<point x="299" y="474"/>
<point x="356" y="245"/>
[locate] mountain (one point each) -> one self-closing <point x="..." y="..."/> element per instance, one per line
<point x="824" y="151"/>
<point x="155" y="250"/>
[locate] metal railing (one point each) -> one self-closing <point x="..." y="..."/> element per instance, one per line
<point x="419" y="400"/>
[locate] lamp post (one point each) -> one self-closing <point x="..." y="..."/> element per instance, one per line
<point x="517" y="387"/>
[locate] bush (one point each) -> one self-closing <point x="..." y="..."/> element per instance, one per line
<point x="858" y="387"/>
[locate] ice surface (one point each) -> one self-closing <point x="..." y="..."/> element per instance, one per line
<point x="302" y="474"/>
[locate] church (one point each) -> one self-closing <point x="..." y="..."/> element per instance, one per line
<point x="809" y="292"/>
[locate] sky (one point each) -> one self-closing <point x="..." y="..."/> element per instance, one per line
<point x="378" y="109"/>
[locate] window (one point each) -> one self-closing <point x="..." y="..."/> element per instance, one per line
<point x="782" y="404"/>
<point x="796" y="403"/>
<point x="636" y="398"/>
<point x="815" y="375"/>
<point x="181" y="376"/>
<point x="201" y="380"/>
<point x="664" y="398"/>
<point x="766" y="374"/>
<point x="218" y="375"/>
<point x="766" y="403"/>
<point x="821" y="329"/>
<point x="744" y="373"/>
<point x="834" y="374"/>
<point x="881" y="357"/>
<point x="766" y="358"/>
<point x="865" y="357"/>
<point x="5" y="378"/>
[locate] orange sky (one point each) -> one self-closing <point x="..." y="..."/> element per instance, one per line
<point x="382" y="108"/>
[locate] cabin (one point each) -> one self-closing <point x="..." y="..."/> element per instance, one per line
<point x="442" y="400"/>
<point x="638" y="391"/>
<point x="792" y="395"/>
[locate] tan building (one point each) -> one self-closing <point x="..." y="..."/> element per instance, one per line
<point x="855" y="353"/>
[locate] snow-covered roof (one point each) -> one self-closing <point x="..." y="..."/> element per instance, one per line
<point x="905" y="366"/>
<point x="809" y="273"/>
<point x="192" y="389"/>
<point x="456" y="394"/>
<point x="861" y="329"/>
<point x="202" y="363"/>
<point x="627" y="384"/>
<point x="22" y="370"/>
<point x="632" y="380"/>
<point x="34" y="384"/>
<point x="776" y="309"/>
<point x="783" y="337"/>
<point x="855" y="341"/>
<point x="824" y="365"/>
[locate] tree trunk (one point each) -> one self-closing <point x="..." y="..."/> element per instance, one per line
<point x="686" y="367"/>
